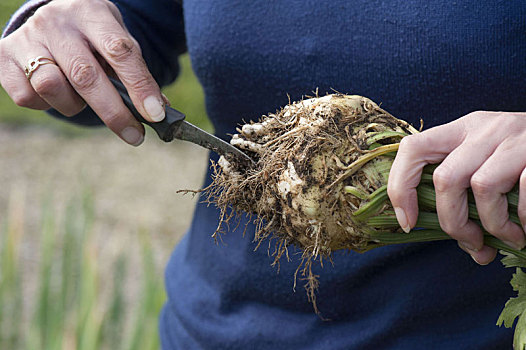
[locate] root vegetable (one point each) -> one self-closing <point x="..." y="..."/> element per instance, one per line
<point x="320" y="178"/>
<point x="320" y="181"/>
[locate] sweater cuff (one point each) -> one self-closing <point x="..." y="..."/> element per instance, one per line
<point x="22" y="14"/>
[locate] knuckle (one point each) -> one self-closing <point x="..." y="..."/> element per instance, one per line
<point x="114" y="9"/>
<point x="455" y="229"/>
<point x="521" y="212"/>
<point x="409" y="142"/>
<point x="95" y="8"/>
<point x="496" y="227"/>
<point x="508" y="145"/>
<point x="475" y="114"/>
<point x="111" y="6"/>
<point x="47" y="16"/>
<point x="96" y="3"/>
<point x="392" y="192"/>
<point x="481" y="185"/>
<point x="444" y="178"/>
<point x="47" y="85"/>
<point x="522" y="180"/>
<point x="38" y="20"/>
<point x="78" y="6"/>
<point x="23" y="99"/>
<point x="450" y="228"/>
<point x="83" y="75"/>
<point x="479" y="116"/>
<point x="141" y="83"/>
<point x="118" y="48"/>
<point x="113" y="118"/>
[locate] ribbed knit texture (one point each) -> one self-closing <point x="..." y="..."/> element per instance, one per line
<point x="432" y="60"/>
<point x="436" y="60"/>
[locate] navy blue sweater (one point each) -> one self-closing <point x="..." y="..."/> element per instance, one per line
<point x="436" y="60"/>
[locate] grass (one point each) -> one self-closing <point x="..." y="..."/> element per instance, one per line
<point x="77" y="304"/>
<point x="56" y="290"/>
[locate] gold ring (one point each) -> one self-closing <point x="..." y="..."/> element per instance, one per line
<point x="33" y="64"/>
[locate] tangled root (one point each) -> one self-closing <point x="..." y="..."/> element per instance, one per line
<point x="316" y="161"/>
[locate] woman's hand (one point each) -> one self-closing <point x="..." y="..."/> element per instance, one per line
<point x="88" y="41"/>
<point x="482" y="150"/>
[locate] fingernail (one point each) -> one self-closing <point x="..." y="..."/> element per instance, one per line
<point x="155" y="108"/>
<point x="468" y="246"/>
<point x="475" y="260"/>
<point x="132" y="136"/>
<point x="402" y="219"/>
<point x="514" y="245"/>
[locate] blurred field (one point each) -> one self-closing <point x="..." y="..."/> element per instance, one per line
<point x="107" y="212"/>
<point x="87" y="224"/>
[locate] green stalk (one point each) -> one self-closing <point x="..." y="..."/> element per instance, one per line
<point x="380" y="221"/>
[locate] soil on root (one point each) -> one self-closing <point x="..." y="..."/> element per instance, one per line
<point x="306" y="155"/>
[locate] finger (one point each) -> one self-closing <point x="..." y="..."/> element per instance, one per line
<point x="15" y="83"/>
<point x="123" y="54"/>
<point x="108" y="70"/>
<point x="88" y="79"/>
<point x="483" y="256"/>
<point x="490" y="183"/>
<point x="116" y="14"/>
<point x="451" y="180"/>
<point x="416" y="151"/>
<point x="521" y="209"/>
<point x="51" y="85"/>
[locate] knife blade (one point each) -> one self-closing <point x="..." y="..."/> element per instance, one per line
<point x="175" y="127"/>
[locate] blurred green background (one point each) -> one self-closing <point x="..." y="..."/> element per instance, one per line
<point x="87" y="224"/>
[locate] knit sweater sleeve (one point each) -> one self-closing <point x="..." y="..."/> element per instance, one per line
<point x="157" y="25"/>
<point x="22" y="14"/>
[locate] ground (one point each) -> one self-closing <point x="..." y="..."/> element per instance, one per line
<point x="133" y="189"/>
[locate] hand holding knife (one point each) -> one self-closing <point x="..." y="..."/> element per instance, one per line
<point x="175" y="127"/>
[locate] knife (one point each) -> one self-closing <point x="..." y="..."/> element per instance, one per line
<point x="175" y="127"/>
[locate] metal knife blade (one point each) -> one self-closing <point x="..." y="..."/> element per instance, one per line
<point x="174" y="126"/>
<point x="189" y="132"/>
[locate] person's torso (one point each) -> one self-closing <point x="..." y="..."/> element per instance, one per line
<point x="419" y="59"/>
<point x="435" y="60"/>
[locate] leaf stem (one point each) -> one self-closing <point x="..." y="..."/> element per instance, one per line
<point x="430" y="235"/>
